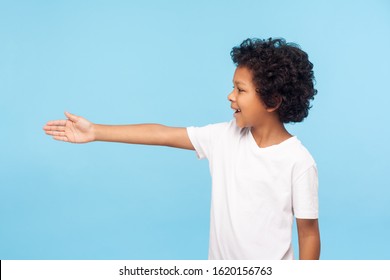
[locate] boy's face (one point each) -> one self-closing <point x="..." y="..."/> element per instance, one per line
<point x="250" y="111"/>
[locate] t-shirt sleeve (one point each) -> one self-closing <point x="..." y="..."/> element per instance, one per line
<point x="204" y="138"/>
<point x="305" y="194"/>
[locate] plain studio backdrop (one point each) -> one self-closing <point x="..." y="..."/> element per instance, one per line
<point x="119" y="62"/>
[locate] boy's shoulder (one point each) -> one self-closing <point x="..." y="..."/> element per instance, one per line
<point x="216" y="129"/>
<point x="301" y="160"/>
<point x="302" y="152"/>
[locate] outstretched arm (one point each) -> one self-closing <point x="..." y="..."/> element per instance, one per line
<point x="79" y="130"/>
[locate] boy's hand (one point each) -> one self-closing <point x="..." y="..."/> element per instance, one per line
<point x="75" y="129"/>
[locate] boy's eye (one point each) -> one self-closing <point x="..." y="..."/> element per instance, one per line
<point x="238" y="89"/>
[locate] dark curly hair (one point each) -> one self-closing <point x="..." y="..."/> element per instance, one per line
<point x="282" y="74"/>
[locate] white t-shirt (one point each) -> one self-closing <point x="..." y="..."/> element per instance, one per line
<point x="255" y="191"/>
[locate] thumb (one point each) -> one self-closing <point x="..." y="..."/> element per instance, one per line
<point x="71" y="117"/>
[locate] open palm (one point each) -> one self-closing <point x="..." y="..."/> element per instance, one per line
<point x="75" y="129"/>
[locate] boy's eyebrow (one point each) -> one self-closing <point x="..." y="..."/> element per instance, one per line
<point x="239" y="82"/>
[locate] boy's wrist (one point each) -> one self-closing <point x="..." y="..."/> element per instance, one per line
<point x="100" y="132"/>
<point x="95" y="132"/>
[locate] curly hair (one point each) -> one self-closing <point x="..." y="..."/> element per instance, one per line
<point x="282" y="74"/>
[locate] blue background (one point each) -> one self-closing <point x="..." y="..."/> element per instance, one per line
<point x="119" y="62"/>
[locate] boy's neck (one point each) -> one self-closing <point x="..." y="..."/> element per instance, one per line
<point x="270" y="133"/>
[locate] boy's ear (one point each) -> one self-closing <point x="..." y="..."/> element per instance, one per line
<point x="277" y="100"/>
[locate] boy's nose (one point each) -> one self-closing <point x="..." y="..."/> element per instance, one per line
<point x="231" y="97"/>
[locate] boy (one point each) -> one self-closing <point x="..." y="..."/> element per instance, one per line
<point x="261" y="175"/>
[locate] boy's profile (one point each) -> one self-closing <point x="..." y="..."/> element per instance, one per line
<point x="262" y="176"/>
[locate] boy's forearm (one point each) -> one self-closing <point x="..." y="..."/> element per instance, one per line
<point x="309" y="239"/>
<point x="309" y="248"/>
<point x="146" y="134"/>
<point x="132" y="134"/>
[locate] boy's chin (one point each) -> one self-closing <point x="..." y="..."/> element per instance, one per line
<point x="240" y="125"/>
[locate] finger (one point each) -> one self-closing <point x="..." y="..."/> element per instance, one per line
<point x="56" y="133"/>
<point x="54" y="128"/>
<point x="61" y="138"/>
<point x="57" y="122"/>
<point x="48" y="132"/>
<point x="71" y="117"/>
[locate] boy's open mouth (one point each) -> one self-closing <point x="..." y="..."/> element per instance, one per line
<point x="236" y="110"/>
